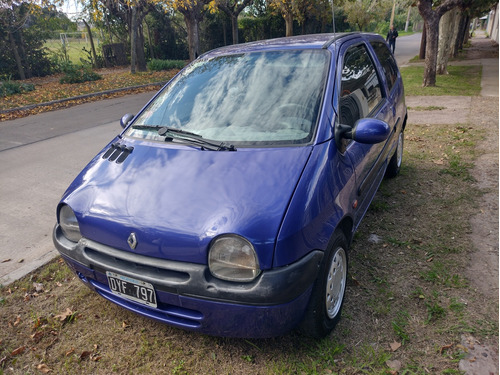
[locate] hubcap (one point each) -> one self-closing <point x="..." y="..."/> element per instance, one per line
<point x="335" y="283"/>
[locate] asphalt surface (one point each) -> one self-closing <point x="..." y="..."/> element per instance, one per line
<point x="40" y="155"/>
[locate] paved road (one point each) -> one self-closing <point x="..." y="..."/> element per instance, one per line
<point x="407" y="47"/>
<point x="39" y="157"/>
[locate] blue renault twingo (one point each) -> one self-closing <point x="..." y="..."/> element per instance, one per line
<point x="228" y="203"/>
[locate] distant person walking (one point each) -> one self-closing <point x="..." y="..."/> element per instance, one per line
<point x="391" y="38"/>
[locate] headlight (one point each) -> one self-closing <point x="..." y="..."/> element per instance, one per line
<point x="69" y="224"/>
<point x="233" y="258"/>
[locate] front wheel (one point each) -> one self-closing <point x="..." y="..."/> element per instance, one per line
<point x="324" y="309"/>
<point x="397" y="159"/>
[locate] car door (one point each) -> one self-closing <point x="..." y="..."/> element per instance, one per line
<point x="362" y="94"/>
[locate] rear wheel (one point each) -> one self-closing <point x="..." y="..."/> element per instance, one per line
<point x="397" y="159"/>
<point x="325" y="305"/>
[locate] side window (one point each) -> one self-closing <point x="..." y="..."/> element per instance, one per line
<point x="360" y="88"/>
<point x="388" y="63"/>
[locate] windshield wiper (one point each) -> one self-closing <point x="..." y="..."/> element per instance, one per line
<point x="171" y="133"/>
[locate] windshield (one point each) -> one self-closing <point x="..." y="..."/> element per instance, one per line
<point x="258" y="98"/>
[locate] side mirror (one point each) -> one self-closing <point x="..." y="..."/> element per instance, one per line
<point x="366" y="130"/>
<point x="126" y="119"/>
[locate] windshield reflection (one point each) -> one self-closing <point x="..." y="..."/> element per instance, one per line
<point x="248" y="99"/>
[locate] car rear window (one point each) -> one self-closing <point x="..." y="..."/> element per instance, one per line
<point x="258" y="98"/>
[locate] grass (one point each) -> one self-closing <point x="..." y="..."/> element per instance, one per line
<point x="461" y="81"/>
<point x="74" y="49"/>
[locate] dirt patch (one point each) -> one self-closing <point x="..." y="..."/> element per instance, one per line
<point x="438" y="110"/>
<point x="483" y="271"/>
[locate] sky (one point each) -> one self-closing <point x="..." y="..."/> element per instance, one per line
<point x="71" y="8"/>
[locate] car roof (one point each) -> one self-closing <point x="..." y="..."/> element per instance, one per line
<point x="311" y="41"/>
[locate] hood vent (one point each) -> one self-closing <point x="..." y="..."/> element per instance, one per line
<point x="117" y="153"/>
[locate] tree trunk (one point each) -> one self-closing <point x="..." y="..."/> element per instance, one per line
<point x="24" y="55"/>
<point x="13" y="45"/>
<point x="466" y="31"/>
<point x="288" y="23"/>
<point x="423" y="43"/>
<point x="446" y="27"/>
<point x="234" y="28"/>
<point x="133" y="34"/>
<point x="193" y="36"/>
<point x="432" y="38"/>
<point x="408" y="19"/>
<point x="463" y="33"/>
<point x="456" y="32"/>
<point x="139" y="45"/>
<point x="431" y="18"/>
<point x="94" y="55"/>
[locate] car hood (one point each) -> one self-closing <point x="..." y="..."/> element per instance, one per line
<point x="176" y="199"/>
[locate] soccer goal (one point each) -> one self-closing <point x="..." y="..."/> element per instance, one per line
<point x="72" y="38"/>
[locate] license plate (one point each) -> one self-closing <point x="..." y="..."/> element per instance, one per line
<point x="135" y="290"/>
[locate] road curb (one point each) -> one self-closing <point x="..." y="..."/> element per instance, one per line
<point x="80" y="97"/>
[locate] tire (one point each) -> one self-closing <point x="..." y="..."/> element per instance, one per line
<point x="397" y="159"/>
<point x="325" y="306"/>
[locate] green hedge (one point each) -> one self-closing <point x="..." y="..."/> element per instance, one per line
<point x="157" y="65"/>
<point x="78" y="74"/>
<point x="11" y="88"/>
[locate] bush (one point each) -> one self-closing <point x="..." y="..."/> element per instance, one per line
<point x="11" y="88"/>
<point x="157" y="65"/>
<point x="78" y="73"/>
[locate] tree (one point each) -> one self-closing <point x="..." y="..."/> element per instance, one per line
<point x="362" y="12"/>
<point x="127" y="12"/>
<point x="193" y="12"/>
<point x="232" y="8"/>
<point x="287" y="8"/>
<point x="21" y="40"/>
<point x="447" y="31"/>
<point x="432" y="16"/>
<point x="299" y="10"/>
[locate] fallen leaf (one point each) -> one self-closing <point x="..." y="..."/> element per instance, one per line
<point x="394" y="365"/>
<point x="38" y="287"/>
<point x="69" y="352"/>
<point x="18" y="321"/>
<point x="395" y="346"/>
<point x="18" y="351"/>
<point x="43" y="368"/>
<point x="6" y="260"/>
<point x="125" y="325"/>
<point x="20" y="261"/>
<point x="37" y="336"/>
<point x="86" y="354"/>
<point x="62" y="317"/>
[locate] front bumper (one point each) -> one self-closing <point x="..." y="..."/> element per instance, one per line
<point x="190" y="297"/>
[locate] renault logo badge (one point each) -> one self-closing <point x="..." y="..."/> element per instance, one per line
<point x="132" y="241"/>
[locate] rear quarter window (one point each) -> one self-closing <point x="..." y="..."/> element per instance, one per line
<point x="388" y="63"/>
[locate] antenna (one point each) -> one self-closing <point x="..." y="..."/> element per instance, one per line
<point x="333" y="19"/>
